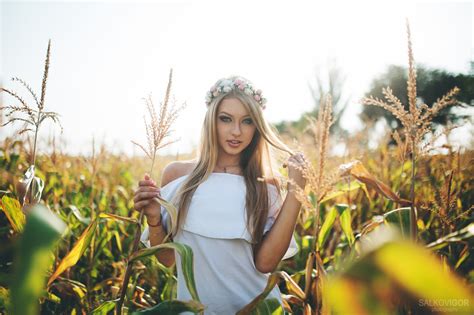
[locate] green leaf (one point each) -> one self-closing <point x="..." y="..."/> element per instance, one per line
<point x="252" y="307"/>
<point x="12" y="209"/>
<point x="4" y="299"/>
<point x="401" y="218"/>
<point x="269" y="307"/>
<point x="75" y="211"/>
<point x="345" y="219"/>
<point x="187" y="264"/>
<point x="172" y="212"/>
<point x="43" y="228"/>
<point x="326" y="227"/>
<point x="292" y="286"/>
<point x="117" y="217"/>
<point x="421" y="274"/>
<point x="76" y="252"/>
<point x="117" y="240"/>
<point x="354" y="185"/>
<point x="456" y="236"/>
<point x="390" y="266"/>
<point x="173" y="307"/>
<point x="37" y="186"/>
<point x="464" y="255"/>
<point x="105" y="308"/>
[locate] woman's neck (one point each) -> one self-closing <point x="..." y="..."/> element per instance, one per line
<point x="228" y="165"/>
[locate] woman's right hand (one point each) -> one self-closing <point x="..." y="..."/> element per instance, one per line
<point x="144" y="199"/>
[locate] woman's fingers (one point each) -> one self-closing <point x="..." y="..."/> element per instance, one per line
<point x="147" y="189"/>
<point x="145" y="195"/>
<point x="298" y="157"/>
<point x="143" y="189"/>
<point x="140" y="204"/>
<point x="147" y="182"/>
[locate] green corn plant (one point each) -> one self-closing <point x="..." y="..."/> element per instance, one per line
<point x="43" y="228"/>
<point x="31" y="186"/>
<point x="415" y="121"/>
<point x="157" y="131"/>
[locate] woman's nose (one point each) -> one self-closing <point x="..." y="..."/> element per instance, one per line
<point x="236" y="130"/>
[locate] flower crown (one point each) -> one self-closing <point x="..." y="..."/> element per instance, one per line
<point x="224" y="86"/>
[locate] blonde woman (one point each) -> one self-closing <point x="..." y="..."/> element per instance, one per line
<point x="230" y="209"/>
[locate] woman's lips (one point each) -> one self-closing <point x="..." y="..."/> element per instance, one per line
<point x="234" y="144"/>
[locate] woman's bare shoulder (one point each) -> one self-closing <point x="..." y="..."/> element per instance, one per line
<point x="175" y="170"/>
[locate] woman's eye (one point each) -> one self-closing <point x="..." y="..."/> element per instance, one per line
<point x="248" y="121"/>
<point x="224" y="118"/>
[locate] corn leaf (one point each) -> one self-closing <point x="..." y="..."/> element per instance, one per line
<point x="75" y="211"/>
<point x="34" y="256"/>
<point x="105" y="308"/>
<point x="173" y="307"/>
<point x="12" y="209"/>
<point x="391" y="266"/>
<point x="421" y="274"/>
<point x="401" y="218"/>
<point x="292" y="286"/>
<point x="172" y="212"/>
<point x="358" y="170"/>
<point x="326" y="227"/>
<point x="309" y="272"/>
<point x="117" y="217"/>
<point x="345" y="219"/>
<point x="354" y="185"/>
<point x="269" y="307"/>
<point x="457" y="236"/>
<point x="76" y="252"/>
<point x="187" y="264"/>
<point x="252" y="307"/>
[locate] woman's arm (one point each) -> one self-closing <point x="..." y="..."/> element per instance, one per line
<point x="157" y="235"/>
<point x="145" y="201"/>
<point x="275" y="243"/>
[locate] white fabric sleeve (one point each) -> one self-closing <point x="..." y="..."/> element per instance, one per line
<point x="275" y="201"/>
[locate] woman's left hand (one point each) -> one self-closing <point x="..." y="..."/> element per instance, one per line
<point x="296" y="161"/>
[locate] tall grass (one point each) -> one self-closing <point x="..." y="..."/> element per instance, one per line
<point x="157" y="131"/>
<point x="416" y="122"/>
<point x="31" y="186"/>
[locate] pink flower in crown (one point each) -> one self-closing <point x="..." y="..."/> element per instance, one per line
<point x="213" y="88"/>
<point x="241" y="86"/>
<point x="257" y="97"/>
<point x="238" y="82"/>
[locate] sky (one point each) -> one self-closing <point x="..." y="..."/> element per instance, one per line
<point x="107" y="56"/>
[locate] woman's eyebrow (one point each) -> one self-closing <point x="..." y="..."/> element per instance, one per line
<point x="233" y="116"/>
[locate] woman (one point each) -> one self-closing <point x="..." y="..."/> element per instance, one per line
<point x="230" y="209"/>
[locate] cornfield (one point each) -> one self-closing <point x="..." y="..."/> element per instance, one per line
<point x="381" y="231"/>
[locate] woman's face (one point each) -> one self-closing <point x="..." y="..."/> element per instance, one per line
<point x="235" y="127"/>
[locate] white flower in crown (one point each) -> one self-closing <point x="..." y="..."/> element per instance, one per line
<point x="224" y="86"/>
<point x="226" y="82"/>
<point x="208" y="97"/>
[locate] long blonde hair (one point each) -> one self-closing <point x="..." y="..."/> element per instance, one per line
<point x="256" y="162"/>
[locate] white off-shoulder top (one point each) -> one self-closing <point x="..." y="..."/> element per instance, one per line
<point x="215" y="228"/>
